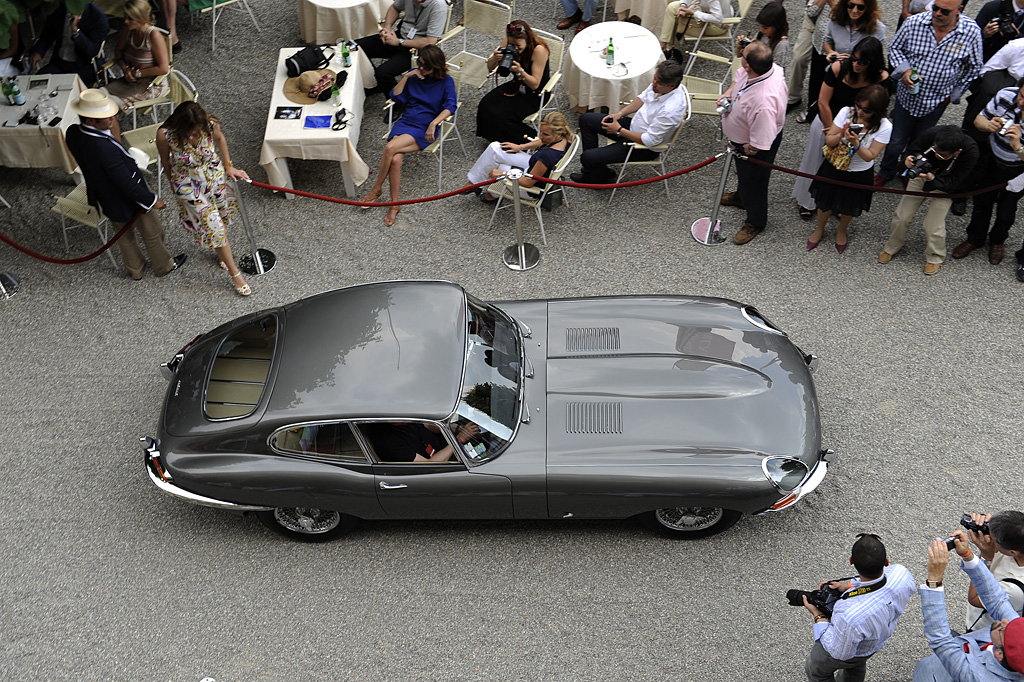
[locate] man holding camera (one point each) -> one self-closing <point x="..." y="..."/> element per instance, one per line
<point x="1000" y="542"/>
<point x="951" y="156"/>
<point x="1000" y="21"/>
<point x="996" y="654"/>
<point x="864" y="615"/>
<point x="423" y="25"/>
<point x="650" y="119"/>
<point x="1002" y="160"/>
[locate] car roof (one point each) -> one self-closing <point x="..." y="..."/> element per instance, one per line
<point x="390" y="349"/>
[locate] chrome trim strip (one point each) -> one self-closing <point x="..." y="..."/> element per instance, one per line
<point x="809" y="485"/>
<point x="186" y="496"/>
<point x="758" y="323"/>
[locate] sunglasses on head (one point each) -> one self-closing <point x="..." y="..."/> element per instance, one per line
<point x="515" y="29"/>
<point x="943" y="12"/>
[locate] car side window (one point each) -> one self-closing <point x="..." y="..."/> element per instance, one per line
<point x="334" y="440"/>
<point x="394" y="442"/>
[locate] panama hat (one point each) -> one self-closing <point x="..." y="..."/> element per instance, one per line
<point x="94" y="103"/>
<point x="297" y="89"/>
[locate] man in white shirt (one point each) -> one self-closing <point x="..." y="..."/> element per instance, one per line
<point x="1003" y="70"/>
<point x="649" y="119"/>
<point x="1002" y="548"/>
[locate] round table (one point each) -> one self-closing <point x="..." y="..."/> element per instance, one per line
<point x="591" y="83"/>
<point x="325" y="21"/>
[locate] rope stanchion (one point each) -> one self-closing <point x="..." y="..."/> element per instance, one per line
<point x="370" y="204"/>
<point x="521" y="256"/>
<point x="707" y="231"/>
<point x="72" y="261"/>
<point x="257" y="261"/>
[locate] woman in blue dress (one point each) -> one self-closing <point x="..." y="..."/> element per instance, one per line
<point x="428" y="93"/>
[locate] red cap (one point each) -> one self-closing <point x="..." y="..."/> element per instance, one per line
<point x="1013" y="644"/>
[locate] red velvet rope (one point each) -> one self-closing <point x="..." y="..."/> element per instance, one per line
<point x="73" y="261"/>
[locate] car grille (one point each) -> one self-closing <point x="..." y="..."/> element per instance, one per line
<point x="584" y="339"/>
<point x="593" y="417"/>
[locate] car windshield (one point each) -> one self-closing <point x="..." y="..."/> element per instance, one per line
<point x="490" y="390"/>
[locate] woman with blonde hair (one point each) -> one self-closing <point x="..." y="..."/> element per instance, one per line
<point x="537" y="157"/>
<point x="141" y="53"/>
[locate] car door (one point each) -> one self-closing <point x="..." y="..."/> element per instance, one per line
<point x="426" y="490"/>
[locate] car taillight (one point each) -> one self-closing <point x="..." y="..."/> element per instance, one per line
<point x="151" y="447"/>
<point x="786" y="473"/>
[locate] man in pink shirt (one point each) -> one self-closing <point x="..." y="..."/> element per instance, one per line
<point x="754" y="126"/>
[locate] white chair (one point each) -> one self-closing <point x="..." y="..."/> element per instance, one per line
<point x="547" y="94"/>
<point x="216" y="9"/>
<point x="663" y="149"/>
<point x="725" y="41"/>
<point x="704" y="95"/>
<point x="75" y="207"/>
<point x="444" y="129"/>
<point x="536" y="196"/>
<point x="482" y="16"/>
<point x="145" y="140"/>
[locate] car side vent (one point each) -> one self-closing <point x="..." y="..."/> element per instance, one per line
<point x="593" y="418"/>
<point x="591" y="338"/>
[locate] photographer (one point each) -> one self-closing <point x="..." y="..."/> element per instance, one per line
<point x="523" y="57"/>
<point x="994" y="655"/>
<point x="863" y="617"/>
<point x="1002" y="548"/>
<point x="952" y="156"/>
<point x="1000" y="22"/>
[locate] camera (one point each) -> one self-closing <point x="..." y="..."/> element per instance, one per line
<point x="833" y="57"/>
<point x="1007" y="13"/>
<point x="724" y="106"/>
<point x="744" y="41"/>
<point x="969" y="524"/>
<point x="856" y="127"/>
<point x="1005" y="128"/>
<point x="921" y="165"/>
<point x="508" y="55"/>
<point x="824" y="598"/>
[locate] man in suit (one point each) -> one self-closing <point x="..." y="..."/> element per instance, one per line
<point x="115" y="184"/>
<point x="75" y="39"/>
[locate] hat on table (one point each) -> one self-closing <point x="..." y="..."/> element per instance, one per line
<point x="93" y="103"/>
<point x="303" y="88"/>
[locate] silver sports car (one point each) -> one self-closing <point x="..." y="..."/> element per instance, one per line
<point x="415" y="400"/>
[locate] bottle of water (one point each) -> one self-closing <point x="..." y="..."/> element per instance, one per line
<point x="16" y="97"/>
<point x="609" y="54"/>
<point x="346" y="57"/>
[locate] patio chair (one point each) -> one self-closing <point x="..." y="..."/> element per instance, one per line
<point x="75" y="207"/>
<point x="547" y="94"/>
<point x="481" y="16"/>
<point x="216" y="9"/>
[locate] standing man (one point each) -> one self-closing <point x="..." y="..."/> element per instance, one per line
<point x="953" y="156"/>
<point x="995" y="655"/>
<point x="75" y="39"/>
<point x="650" y="119"/>
<point x="944" y="50"/>
<point x="863" y="618"/>
<point x="114" y="183"/>
<point x="1002" y="160"/>
<point x="423" y="25"/>
<point x="754" y="127"/>
<point x="573" y="14"/>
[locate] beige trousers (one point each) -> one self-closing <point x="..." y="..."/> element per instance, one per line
<point x="934" y="224"/>
<point x="673" y="24"/>
<point x="151" y="230"/>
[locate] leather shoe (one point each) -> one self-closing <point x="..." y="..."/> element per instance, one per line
<point x="879" y="181"/>
<point x="963" y="249"/>
<point x="884" y="257"/>
<point x="579" y="177"/>
<point x="959" y="206"/>
<point x="729" y="199"/>
<point x="569" y="21"/>
<point x="1020" y="272"/>
<point x="931" y="268"/>
<point x="996" y="252"/>
<point x="179" y="260"/>
<point x="746" y="233"/>
<point x="582" y="25"/>
<point x="793" y="105"/>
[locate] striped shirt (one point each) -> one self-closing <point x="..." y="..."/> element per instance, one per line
<point x="1004" y="105"/>
<point x="860" y="626"/>
<point x="946" y="67"/>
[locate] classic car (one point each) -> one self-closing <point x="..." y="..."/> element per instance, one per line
<point x="415" y="400"/>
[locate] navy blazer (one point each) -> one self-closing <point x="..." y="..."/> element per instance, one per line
<point x="113" y="181"/>
<point x="92" y="30"/>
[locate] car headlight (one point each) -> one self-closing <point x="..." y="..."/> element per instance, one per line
<point x="784" y="472"/>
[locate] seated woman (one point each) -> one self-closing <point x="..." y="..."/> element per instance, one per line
<point x="773" y="31"/>
<point x="502" y="110"/>
<point x="141" y="53"/>
<point x="428" y="93"/>
<point x="555" y="138"/>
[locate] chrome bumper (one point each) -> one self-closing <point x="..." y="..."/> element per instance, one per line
<point x="149" y="455"/>
<point x="809" y="484"/>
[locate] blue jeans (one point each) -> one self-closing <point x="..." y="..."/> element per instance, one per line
<point x="571" y="7"/>
<point x="905" y="129"/>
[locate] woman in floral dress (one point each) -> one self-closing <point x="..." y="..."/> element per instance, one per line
<point x="189" y="143"/>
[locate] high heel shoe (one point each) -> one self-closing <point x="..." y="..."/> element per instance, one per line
<point x="811" y="246"/>
<point x="371" y="197"/>
<point x="841" y="247"/>
<point x="243" y="290"/>
<point x="392" y="215"/>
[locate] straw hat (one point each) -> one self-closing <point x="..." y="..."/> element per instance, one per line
<point x="297" y="89"/>
<point x="94" y="103"/>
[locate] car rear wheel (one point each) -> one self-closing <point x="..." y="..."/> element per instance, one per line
<point x="306" y="524"/>
<point x="690" y="523"/>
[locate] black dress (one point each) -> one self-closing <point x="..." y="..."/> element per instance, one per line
<point x="500" y="115"/>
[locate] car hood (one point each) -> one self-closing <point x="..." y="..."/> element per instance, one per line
<point x="662" y="378"/>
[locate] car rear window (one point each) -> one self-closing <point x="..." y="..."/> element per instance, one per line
<point x="239" y="373"/>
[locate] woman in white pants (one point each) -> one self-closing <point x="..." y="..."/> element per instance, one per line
<point x="537" y="156"/>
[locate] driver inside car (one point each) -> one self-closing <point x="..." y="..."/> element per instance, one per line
<point x="415" y="441"/>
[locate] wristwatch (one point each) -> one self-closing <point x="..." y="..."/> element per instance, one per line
<point x="933" y="583"/>
<point x="401" y="41"/>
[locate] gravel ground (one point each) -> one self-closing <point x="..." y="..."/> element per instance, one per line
<point x="106" y="578"/>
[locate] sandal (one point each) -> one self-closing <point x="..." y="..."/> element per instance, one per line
<point x="371" y="197"/>
<point x="806" y="213"/>
<point x="392" y="215"/>
<point x="243" y="290"/>
<point x="803" y="117"/>
<point x="223" y="265"/>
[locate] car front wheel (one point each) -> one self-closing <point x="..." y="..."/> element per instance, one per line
<point x="306" y="524"/>
<point x="690" y="523"/>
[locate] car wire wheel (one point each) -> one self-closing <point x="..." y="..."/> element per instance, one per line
<point x="691" y="522"/>
<point x="307" y="524"/>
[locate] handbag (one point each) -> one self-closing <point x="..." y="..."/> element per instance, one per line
<point x="309" y="58"/>
<point x="839" y="156"/>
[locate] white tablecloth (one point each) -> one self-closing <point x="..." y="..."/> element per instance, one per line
<point x="288" y="139"/>
<point x="40" y="146"/>
<point x="324" y="21"/>
<point x="651" y="12"/>
<point x="591" y="83"/>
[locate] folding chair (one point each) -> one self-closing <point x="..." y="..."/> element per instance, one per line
<point x="482" y="16"/>
<point x="730" y="23"/>
<point x="704" y="95"/>
<point x="444" y="129"/>
<point x="663" y="149"/>
<point x="216" y="9"/>
<point x="547" y="94"/>
<point x="536" y="196"/>
<point x="733" y="63"/>
<point x="75" y="207"/>
<point x="148" y="105"/>
<point x="145" y="139"/>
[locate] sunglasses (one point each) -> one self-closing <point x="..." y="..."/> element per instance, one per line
<point x="515" y="29"/>
<point x="860" y="61"/>
<point x="854" y="5"/>
<point x="943" y="12"/>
